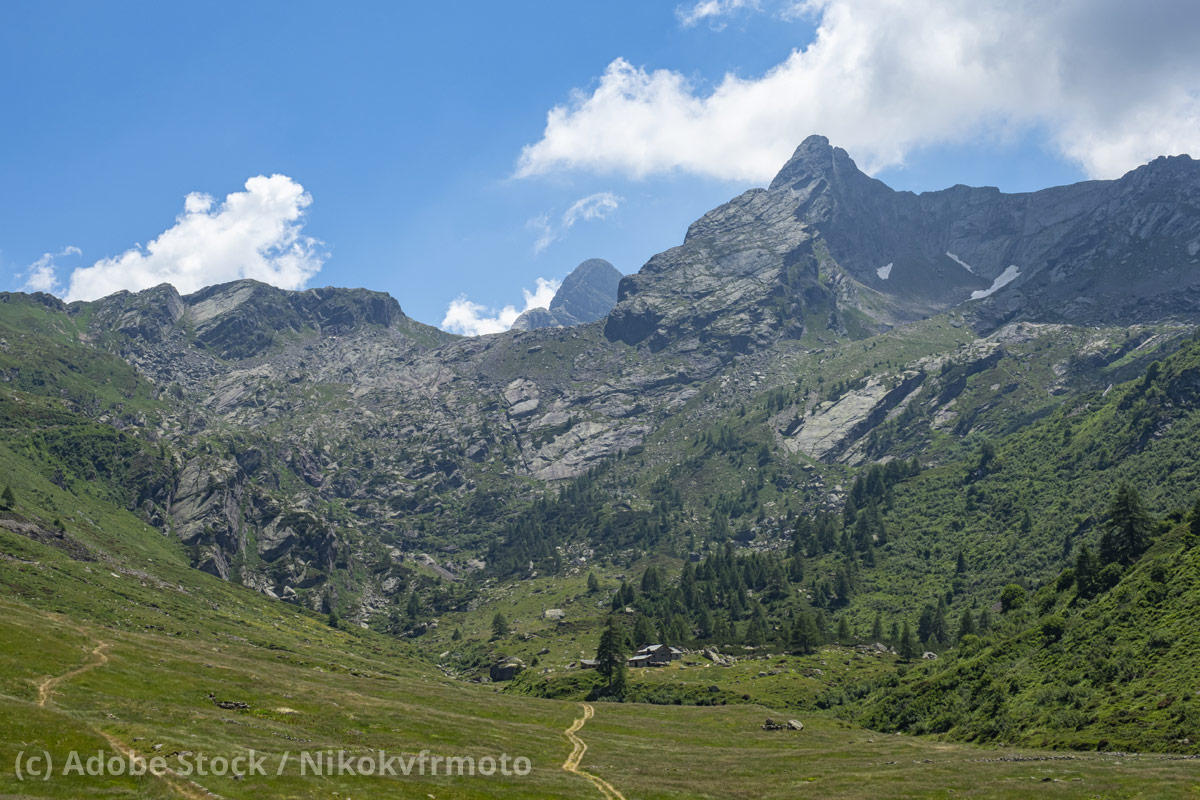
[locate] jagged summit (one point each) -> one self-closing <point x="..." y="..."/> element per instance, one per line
<point x="586" y="295"/>
<point x="815" y="158"/>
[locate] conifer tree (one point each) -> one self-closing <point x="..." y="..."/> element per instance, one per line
<point x="611" y="653"/>
<point x="1127" y="531"/>
<point x="966" y="624"/>
<point x="908" y="645"/>
<point x="1086" y="573"/>
<point x="643" y="631"/>
<point x="805" y="635"/>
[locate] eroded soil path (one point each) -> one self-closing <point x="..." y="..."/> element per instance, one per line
<point x="578" y="748"/>
<point x="188" y="789"/>
<point x="46" y="687"/>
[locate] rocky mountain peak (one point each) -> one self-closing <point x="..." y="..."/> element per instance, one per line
<point x="589" y="292"/>
<point x="817" y="160"/>
<point x="586" y="295"/>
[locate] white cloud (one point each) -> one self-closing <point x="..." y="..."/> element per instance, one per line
<point x="251" y="234"/>
<point x="475" y="319"/>
<point x="711" y="10"/>
<point x="42" y="274"/>
<point x="1110" y="84"/>
<point x="595" y="206"/>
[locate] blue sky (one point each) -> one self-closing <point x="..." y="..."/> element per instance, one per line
<point x="420" y="136"/>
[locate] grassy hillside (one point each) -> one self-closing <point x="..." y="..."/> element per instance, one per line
<point x="1110" y="672"/>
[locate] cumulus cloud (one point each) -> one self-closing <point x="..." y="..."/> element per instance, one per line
<point x="475" y="319"/>
<point x="42" y="275"/>
<point x="1110" y="84"/>
<point x="711" y="10"/>
<point x="251" y="234"/>
<point x="600" y="205"/>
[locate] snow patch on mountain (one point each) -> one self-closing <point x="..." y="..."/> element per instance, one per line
<point x="960" y="262"/>
<point x="1003" y="279"/>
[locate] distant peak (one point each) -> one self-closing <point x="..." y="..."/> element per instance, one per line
<point x="586" y="295"/>
<point x="593" y="269"/>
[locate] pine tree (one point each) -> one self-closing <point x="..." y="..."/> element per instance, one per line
<point x="414" y="605"/>
<point x="843" y="631"/>
<point x="610" y="653"/>
<point x="805" y="635"/>
<point x="618" y="683"/>
<point x="908" y="645"/>
<point x="796" y="569"/>
<point x="687" y="585"/>
<point x="966" y="624"/>
<point x="643" y="631"/>
<point x="593" y="584"/>
<point x="842" y="586"/>
<point x="1086" y="573"/>
<point x="499" y="626"/>
<point x="7" y="500"/>
<point x="1127" y="531"/>
<point x="940" y="629"/>
<point x="877" y="627"/>
<point x="650" y="582"/>
<point x="626" y="593"/>
<point x="926" y="623"/>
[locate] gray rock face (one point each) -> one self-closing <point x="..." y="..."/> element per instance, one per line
<point x="586" y="295"/>
<point x="826" y="242"/>
<point x="1090" y="252"/>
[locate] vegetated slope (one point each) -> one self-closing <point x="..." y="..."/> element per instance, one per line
<point x="1017" y="507"/>
<point x="1112" y="672"/>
